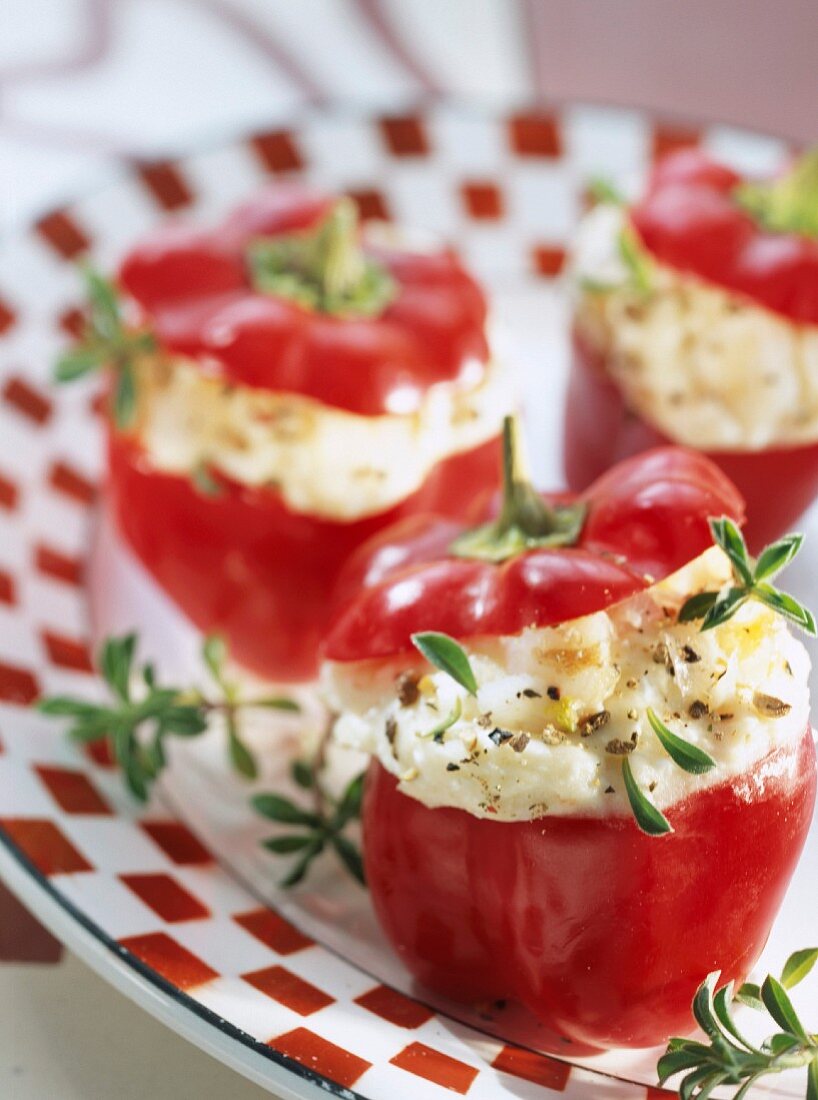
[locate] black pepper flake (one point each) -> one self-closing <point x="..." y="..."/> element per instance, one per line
<point x="452" y="767"/>
<point x="554" y="693"/>
<point x="499" y="737"/>
<point x="590" y="723"/>
<point x="406" y="685"/>
<point x="610" y="790"/>
<point x="618" y="747"/>
<point x="391" y="730"/>
<point x="484" y="721"/>
<point x="690" y="655"/>
<point x="530" y="693"/>
<point x="519" y="742"/>
<point x="652" y="786"/>
<point x="770" y="705"/>
<point x="698" y="709"/>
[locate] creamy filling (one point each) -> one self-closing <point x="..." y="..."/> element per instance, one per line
<point x="322" y="460"/>
<point x="707" y="368"/>
<point x="557" y="709"/>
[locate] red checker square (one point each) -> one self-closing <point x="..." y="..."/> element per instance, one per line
<point x="171" y="901"/>
<point x="166" y="183"/>
<point x="67" y="652"/>
<point x="535" y="134"/>
<point x="482" y="200"/>
<point x="7" y="317"/>
<point x="71" y="483"/>
<point x="404" y="135"/>
<point x="548" y="260"/>
<point x="63" y="234"/>
<point x="72" y="790"/>
<point x="21" y="396"/>
<point x="541" y="1070"/>
<point x="72" y="322"/>
<point x="321" y="1056"/>
<point x="289" y="990"/>
<point x="273" y="931"/>
<point x="51" y="852"/>
<point x="167" y="957"/>
<point x="59" y="566"/>
<point x="278" y="152"/>
<point x="17" y="685"/>
<point x="371" y="204"/>
<point x="8" y="494"/>
<point x="177" y="842"/>
<point x="434" y="1065"/>
<point x="101" y="754"/>
<point x="7" y="592"/>
<point x="395" y="1007"/>
<point x="668" y="138"/>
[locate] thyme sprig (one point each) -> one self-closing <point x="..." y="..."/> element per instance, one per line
<point x="731" y="1059"/>
<point x="142" y="713"/>
<point x="321" y="827"/>
<point x="752" y="581"/>
<point x="107" y="342"/>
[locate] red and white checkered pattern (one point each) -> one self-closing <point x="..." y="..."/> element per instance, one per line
<point x="507" y="191"/>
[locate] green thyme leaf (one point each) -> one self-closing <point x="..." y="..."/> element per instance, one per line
<point x="240" y="756"/>
<point x="116" y="659"/>
<point x="103" y="301"/>
<point x="727" y="535"/>
<point x="302" y="774"/>
<point x="299" y="869"/>
<point x="214" y="655"/>
<point x="750" y="994"/>
<point x="689" y="757"/>
<point x="725" y="608"/>
<point x="788" y="606"/>
<point x="776" y="557"/>
<point x="125" y="396"/>
<point x="437" y="731"/>
<point x="697" y="606"/>
<point x="636" y="260"/>
<point x="77" y="362"/>
<point x="798" y="966"/>
<point x="350" y="804"/>
<point x="278" y="808"/>
<point x="350" y="857"/>
<point x="779" y="1006"/>
<point x="275" y="702"/>
<point x="448" y="655"/>
<point x="285" y="845"/>
<point x="649" y="819"/>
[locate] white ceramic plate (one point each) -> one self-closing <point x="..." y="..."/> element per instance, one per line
<point x="176" y="903"/>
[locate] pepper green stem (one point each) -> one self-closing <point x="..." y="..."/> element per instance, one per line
<point x="325" y="268"/>
<point x="526" y="521"/>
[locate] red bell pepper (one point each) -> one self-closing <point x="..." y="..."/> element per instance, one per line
<point x="760" y="245"/>
<point x="284" y="297"/>
<point x="600" y="930"/>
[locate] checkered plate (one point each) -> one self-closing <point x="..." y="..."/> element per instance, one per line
<point x="175" y="903"/>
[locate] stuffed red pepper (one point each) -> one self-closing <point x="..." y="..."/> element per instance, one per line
<point x="283" y="386"/>
<point x="592" y="772"/>
<point x="696" y="322"/>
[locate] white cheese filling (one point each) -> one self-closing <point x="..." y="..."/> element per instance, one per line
<point x="323" y="460"/>
<point x="557" y="709"/>
<point x="707" y="368"/>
